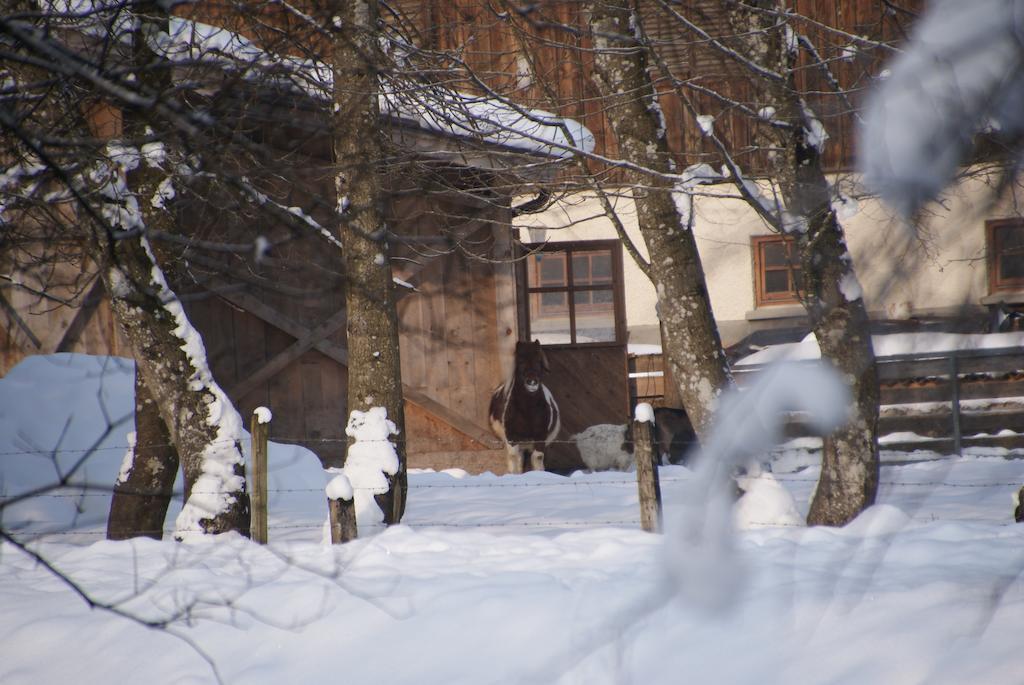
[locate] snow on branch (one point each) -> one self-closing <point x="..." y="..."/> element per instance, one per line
<point x="961" y="74"/>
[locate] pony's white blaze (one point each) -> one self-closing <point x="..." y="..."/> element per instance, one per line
<point x="554" y="420"/>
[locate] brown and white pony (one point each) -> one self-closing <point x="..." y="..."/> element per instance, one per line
<point x="523" y="413"/>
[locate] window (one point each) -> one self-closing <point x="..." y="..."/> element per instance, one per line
<point x="1006" y="254"/>
<point x="573" y="292"/>
<point x="777" y="275"/>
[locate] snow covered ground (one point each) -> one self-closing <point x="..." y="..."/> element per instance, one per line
<point x="515" y="579"/>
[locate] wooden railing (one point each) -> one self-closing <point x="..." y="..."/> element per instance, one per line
<point x="949" y="378"/>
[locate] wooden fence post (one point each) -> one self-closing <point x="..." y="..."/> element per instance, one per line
<point x="954" y="401"/>
<point x="341" y="507"/>
<point x="259" y="430"/>
<point x="343" y="520"/>
<point x="647" y="469"/>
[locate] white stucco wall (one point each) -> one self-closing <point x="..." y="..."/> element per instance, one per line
<point x="582" y="218"/>
<point x="935" y="270"/>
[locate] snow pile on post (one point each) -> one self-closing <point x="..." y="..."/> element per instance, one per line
<point x="338" y="485"/>
<point x="369" y="462"/>
<point x="765" y="502"/>
<point x="644" y="413"/>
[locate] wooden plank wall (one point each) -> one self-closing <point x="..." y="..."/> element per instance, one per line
<point x="52" y="327"/>
<point x="493" y="40"/>
<point x="449" y="324"/>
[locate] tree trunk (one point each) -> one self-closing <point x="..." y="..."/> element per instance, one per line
<point x="849" y="463"/>
<point x="374" y="378"/>
<point x="200" y="420"/>
<point x="141" y="496"/>
<point x="692" y="346"/>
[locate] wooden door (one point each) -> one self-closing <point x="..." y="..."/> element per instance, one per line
<point x="591" y="385"/>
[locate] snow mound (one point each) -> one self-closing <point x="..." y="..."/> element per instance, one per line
<point x="765" y="502"/>
<point x="881" y="519"/>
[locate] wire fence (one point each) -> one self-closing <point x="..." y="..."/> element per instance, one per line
<point x="42" y="528"/>
<point x="105" y="491"/>
<point x="78" y="492"/>
<point x="521" y="525"/>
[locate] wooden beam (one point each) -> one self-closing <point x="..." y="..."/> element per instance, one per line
<point x="81" y="318"/>
<point x="456" y="421"/>
<point x="278" y="362"/>
<point x="261" y="310"/>
<point x="12" y="314"/>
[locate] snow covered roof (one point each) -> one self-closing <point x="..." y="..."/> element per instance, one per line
<point x="434" y="108"/>
<point x="491" y="120"/>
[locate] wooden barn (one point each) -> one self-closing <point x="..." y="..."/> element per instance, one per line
<point x="273" y="320"/>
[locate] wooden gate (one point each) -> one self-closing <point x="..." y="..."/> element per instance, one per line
<point x="571" y="297"/>
<point x="591" y="386"/>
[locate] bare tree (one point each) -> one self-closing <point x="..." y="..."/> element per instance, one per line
<point x="767" y="47"/>
<point x="375" y="379"/>
<point x="692" y="346"/>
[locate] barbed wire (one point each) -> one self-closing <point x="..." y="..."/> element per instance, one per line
<point x="287" y="441"/>
<point x="411" y="522"/>
<point x="105" y="491"/>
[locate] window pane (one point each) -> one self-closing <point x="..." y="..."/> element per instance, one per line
<point x="1011" y="238"/>
<point x="592" y="267"/>
<point x="1010" y="245"/>
<point x="553" y="301"/>
<point x="774" y="254"/>
<point x="580" y="269"/>
<point x="798" y="280"/>
<point x="549" y="317"/>
<point x="776" y="281"/>
<point x="602" y="300"/>
<point x="1011" y="267"/>
<point x="601" y="268"/>
<point x="552" y="330"/>
<point x="595" y="321"/>
<point x="552" y="270"/>
<point x="547" y="269"/>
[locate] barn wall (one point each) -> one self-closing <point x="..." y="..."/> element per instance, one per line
<point x="453" y="336"/>
<point x="30" y="324"/>
<point x="556" y="75"/>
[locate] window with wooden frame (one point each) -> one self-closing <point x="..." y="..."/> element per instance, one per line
<point x="1005" y="239"/>
<point x="573" y="293"/>
<point x="777" y="275"/>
